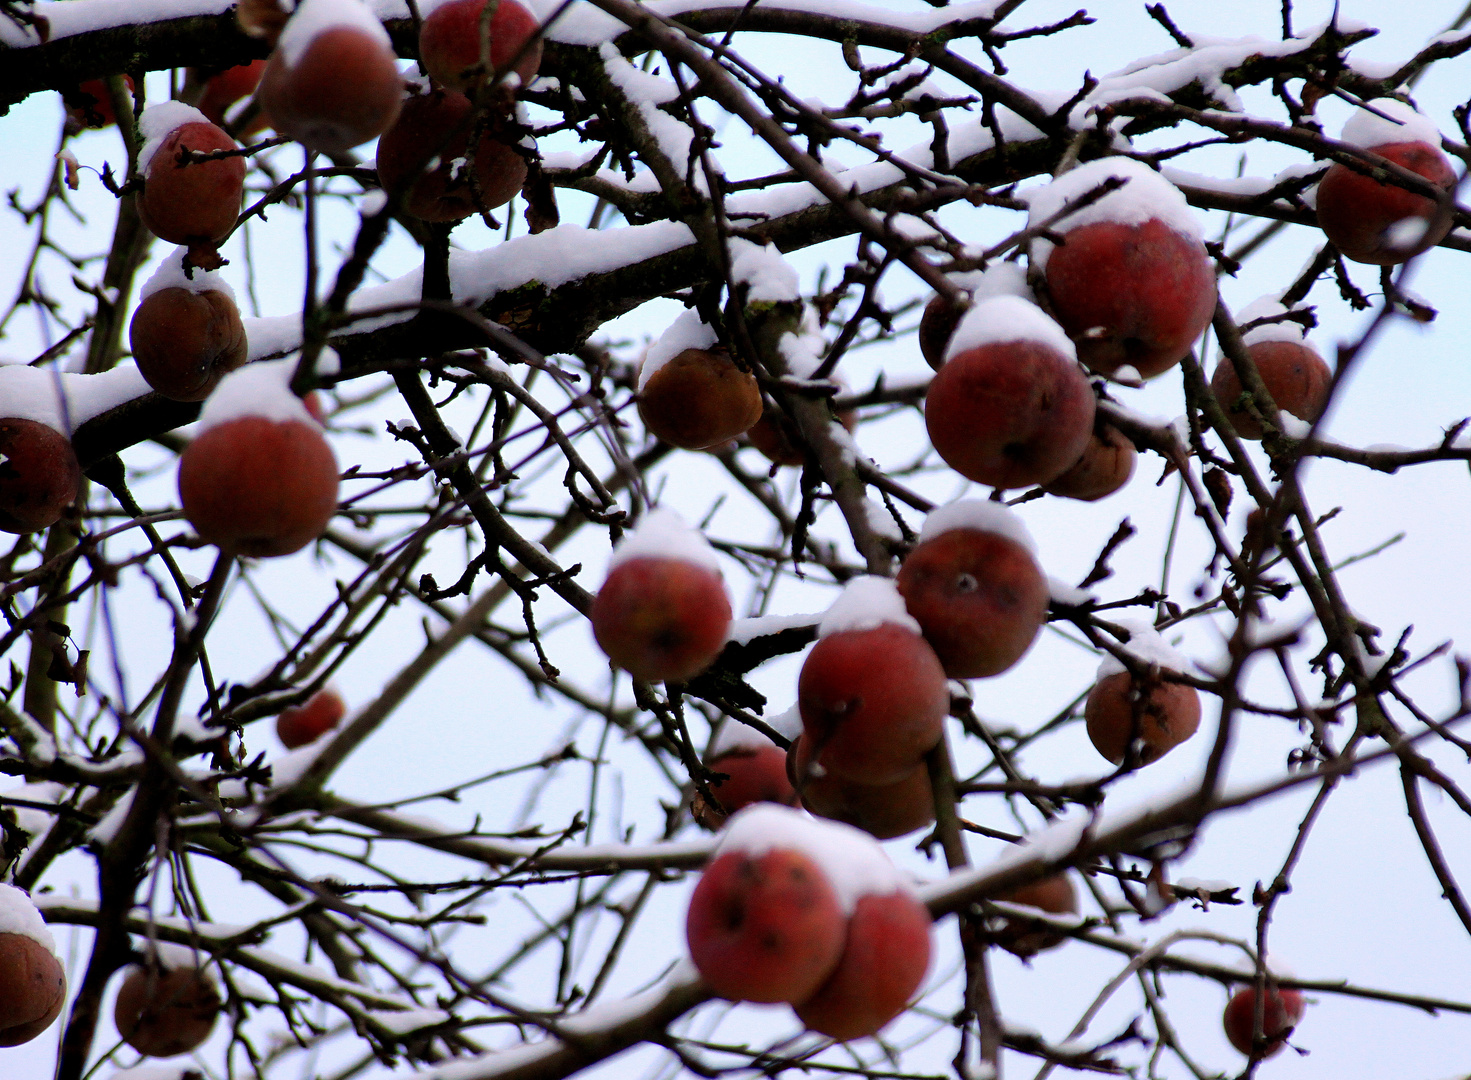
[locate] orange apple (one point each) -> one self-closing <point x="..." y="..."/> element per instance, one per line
<point x="32" y="980"/>
<point x="1054" y="895"/>
<point x="698" y="398"/>
<point x="872" y="693"/>
<point x="883" y="811"/>
<point x="1156" y="716"/>
<point x="1010" y="407"/>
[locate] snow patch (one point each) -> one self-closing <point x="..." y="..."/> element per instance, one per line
<point x="865" y="603"/>
<point x="313" y="17"/>
<point x="1400" y="123"/>
<point x="160" y="121"/>
<point x="688" y="331"/>
<point x="662" y="534"/>
<point x="259" y="389"/>
<point x="1006" y="318"/>
<point x="19" y="916"/>
<point x="1146" y="645"/>
<point x="170" y="275"/>
<point x="981" y="515"/>
<point x="770" y="277"/>
<point x="855" y="863"/>
<point x="1145" y="196"/>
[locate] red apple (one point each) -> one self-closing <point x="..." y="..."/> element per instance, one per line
<point x="1131" y="281"/>
<point x="1156" y="716"/>
<point x="699" y="398"/>
<point x="1280" y="1014"/>
<point x="765" y="927"/>
<point x="940" y="318"/>
<point x="1010" y="407"/>
<point x="1105" y="467"/>
<point x="1296" y="377"/>
<point x="1377" y="222"/>
<point x="194" y="204"/>
<point x="885" y="957"/>
<point x="979" y="597"/>
<point x="435" y="128"/>
<point x="163" y="1011"/>
<point x="306" y="723"/>
<point x="883" y="811"/>
<point x="450" y="38"/>
<point x="90" y="104"/>
<point x="332" y="88"/>
<point x="185" y="341"/>
<point x="873" y="702"/>
<point x="259" y="487"/>
<point x="776" y="435"/>
<point x="1054" y="895"/>
<point x="752" y="774"/>
<point x="32" y="988"/>
<point x="661" y="619"/>
<point x="39" y="475"/>
<point x="223" y="89"/>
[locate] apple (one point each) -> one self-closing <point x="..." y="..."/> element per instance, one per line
<point x="1054" y="895"/>
<point x="32" y="980"/>
<point x="259" y="478"/>
<point x="193" y="203"/>
<point x="1010" y="407"/>
<point x="90" y="104"/>
<point x="1106" y="466"/>
<point x="973" y="584"/>
<point x="332" y="82"/>
<point x="39" y="475"/>
<point x="765" y="926"/>
<point x="872" y="694"/>
<point x="223" y="89"/>
<point x="1296" y="377"/>
<point x="451" y="34"/>
<point x="435" y="128"/>
<point x="1130" y="281"/>
<point x="1156" y="716"/>
<point x="1380" y="223"/>
<point x="185" y="341"/>
<point x="699" y="398"/>
<point x="883" y="811"/>
<point x="885" y="956"/>
<point x="301" y="724"/>
<point x="936" y="324"/>
<point x="163" y="1010"/>
<point x="752" y="774"/>
<point x="1280" y="1014"/>
<point x="662" y="612"/>
<point x="777" y="437"/>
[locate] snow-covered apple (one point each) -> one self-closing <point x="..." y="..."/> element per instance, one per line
<point x="1295" y="375"/>
<point x="186" y="332"/>
<point x="973" y="584"/>
<point x="1146" y="715"/>
<point x="662" y="612"/>
<point x="192" y="203"/>
<point x="1373" y="220"/>
<point x="1130" y="281"/>
<point x="1010" y="407"/>
<point x="259" y="478"/>
<point x="691" y="392"/>
<point x="32" y="980"/>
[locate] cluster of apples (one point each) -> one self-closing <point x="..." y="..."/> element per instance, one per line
<point x="810" y="913"/>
